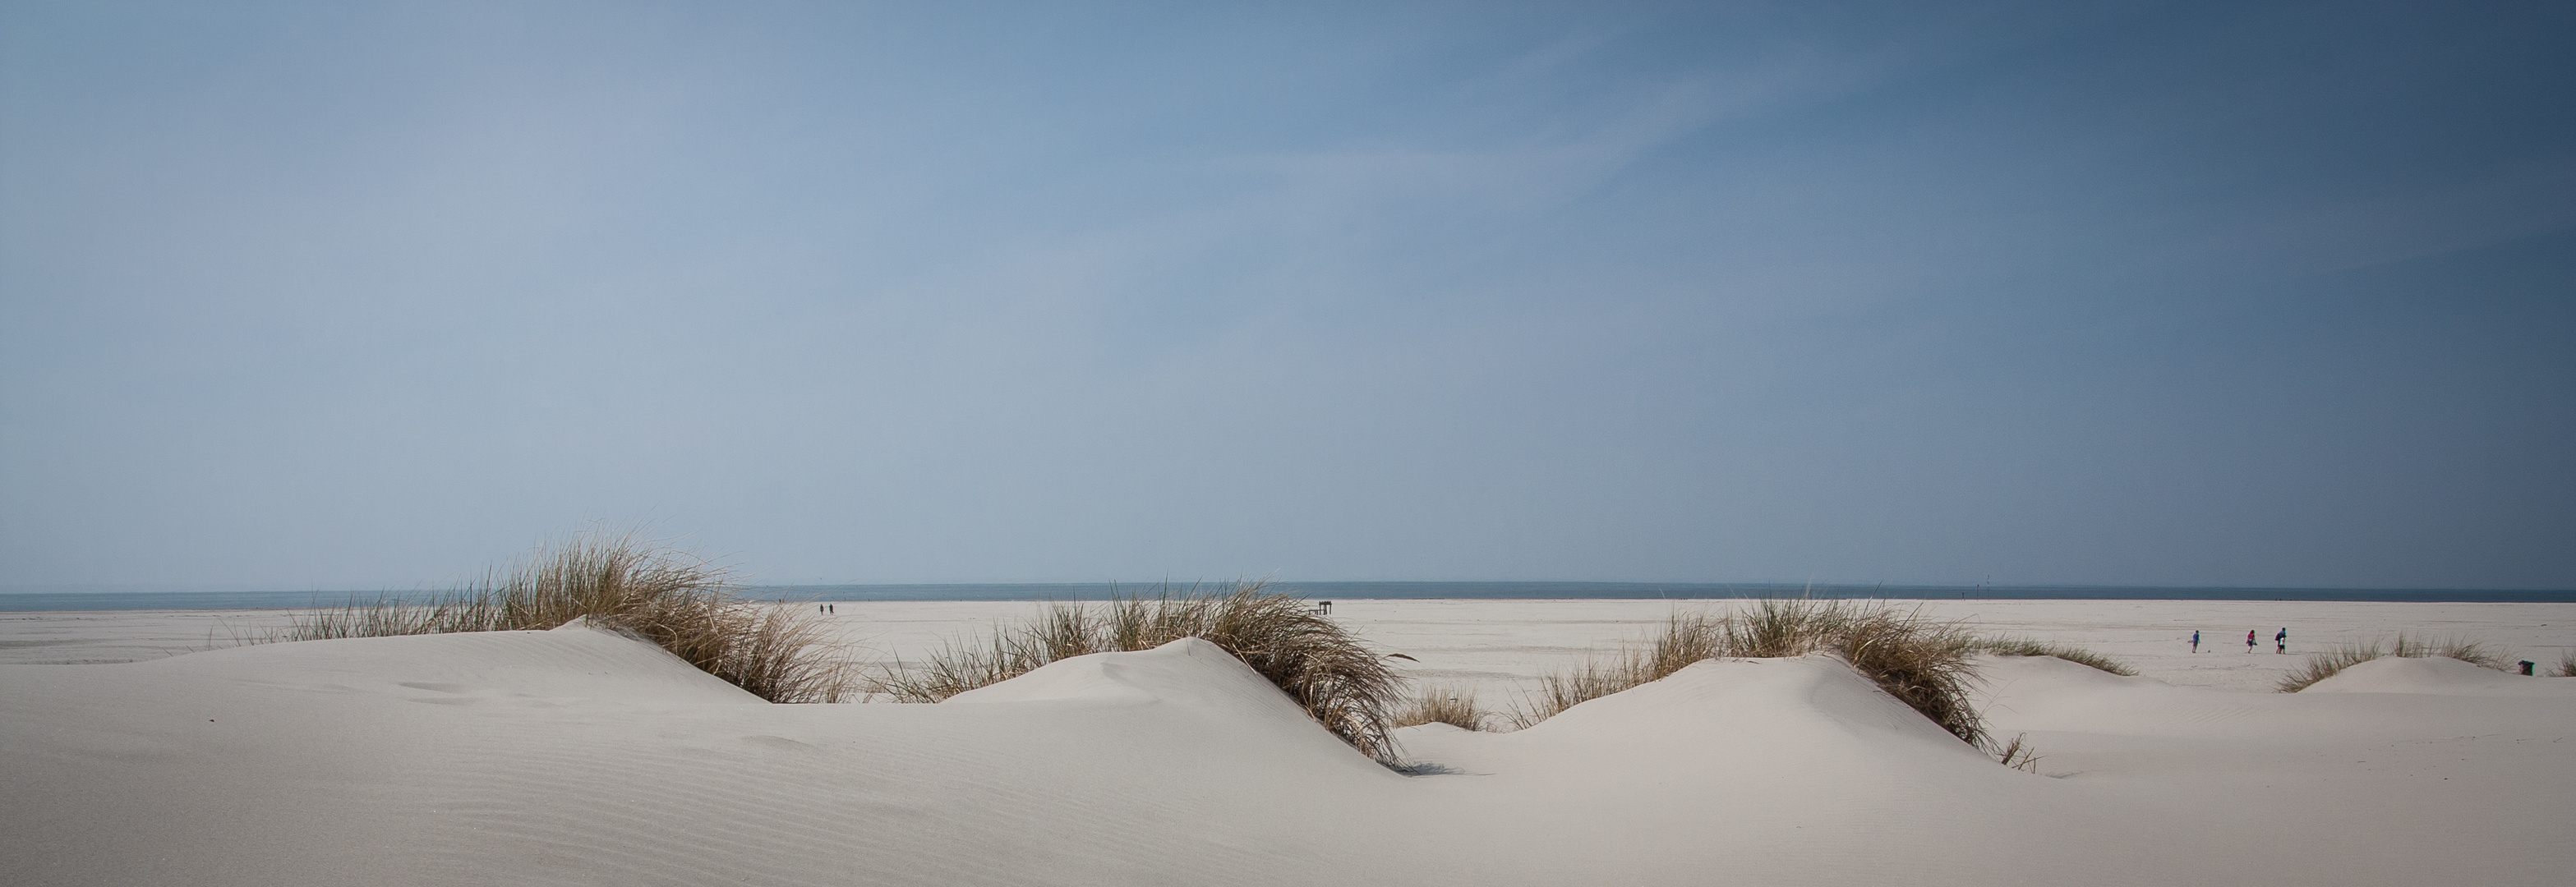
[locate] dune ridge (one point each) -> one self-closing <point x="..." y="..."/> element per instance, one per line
<point x="581" y="756"/>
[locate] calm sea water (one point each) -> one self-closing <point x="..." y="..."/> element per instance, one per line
<point x="271" y="600"/>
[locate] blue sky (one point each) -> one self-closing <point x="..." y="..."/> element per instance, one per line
<point x="370" y="295"/>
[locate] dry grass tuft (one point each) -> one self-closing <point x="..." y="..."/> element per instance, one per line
<point x="2018" y="754"/>
<point x="2012" y="646"/>
<point x="1925" y="665"/>
<point x="682" y="602"/>
<point x="2321" y="666"/>
<point x="1323" y="667"/>
<point x="1442" y="705"/>
<point x="2470" y="652"/>
<point x="2567" y="664"/>
<point x="1922" y="663"/>
<point x="1590" y="680"/>
<point x="1685" y="639"/>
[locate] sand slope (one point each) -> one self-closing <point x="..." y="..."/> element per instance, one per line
<point x="2393" y="780"/>
<point x="579" y="756"/>
<point x="1789" y="771"/>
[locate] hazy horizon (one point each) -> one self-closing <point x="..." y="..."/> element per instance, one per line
<point x="2118" y="294"/>
<point x="1149" y="584"/>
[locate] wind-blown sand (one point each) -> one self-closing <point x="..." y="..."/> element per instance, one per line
<point x="582" y="756"/>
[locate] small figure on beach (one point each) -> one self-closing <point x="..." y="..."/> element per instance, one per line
<point x="1324" y="607"/>
<point x="2249" y="640"/>
<point x="2281" y="641"/>
<point x="2195" y="640"/>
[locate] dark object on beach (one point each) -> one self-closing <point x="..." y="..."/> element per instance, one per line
<point x="2249" y="641"/>
<point x="2281" y="641"/>
<point x="1324" y="607"/>
<point x="2526" y="667"/>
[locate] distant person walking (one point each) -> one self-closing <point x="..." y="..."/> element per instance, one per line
<point x="2249" y="640"/>
<point x="2281" y="641"/>
<point x="2195" y="640"/>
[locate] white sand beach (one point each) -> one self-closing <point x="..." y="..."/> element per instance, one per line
<point x="561" y="359"/>
<point x="579" y="756"/>
<point x="1498" y="647"/>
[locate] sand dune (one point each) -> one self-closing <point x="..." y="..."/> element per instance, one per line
<point x="579" y="756"/>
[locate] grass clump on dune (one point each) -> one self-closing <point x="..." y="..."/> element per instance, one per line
<point x="2321" y="666"/>
<point x="2010" y="646"/>
<point x="1321" y="666"/>
<point x="1590" y="680"/>
<point x="2018" y="754"/>
<point x="1686" y="638"/>
<point x="1442" y="705"/>
<point x="2567" y="664"/>
<point x="684" y="603"/>
<point x="1923" y="664"/>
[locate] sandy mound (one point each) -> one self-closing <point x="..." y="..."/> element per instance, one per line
<point x="1792" y="761"/>
<point x="1189" y="672"/>
<point x="583" y="757"/>
<point x="2433" y="674"/>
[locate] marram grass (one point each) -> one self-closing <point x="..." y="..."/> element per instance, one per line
<point x="2013" y="646"/>
<point x="1686" y="638"/>
<point x="1343" y="685"/>
<point x="1442" y="705"/>
<point x="2321" y="666"/>
<point x="2018" y="754"/>
<point x="1922" y="663"/>
<point x="682" y="602"/>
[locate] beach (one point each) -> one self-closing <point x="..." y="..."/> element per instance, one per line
<point x="474" y="443"/>
<point x="1498" y="648"/>
<point x="581" y="756"/>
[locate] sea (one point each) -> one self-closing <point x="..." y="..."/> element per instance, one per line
<point x="290" y="600"/>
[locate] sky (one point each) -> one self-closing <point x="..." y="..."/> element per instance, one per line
<point x="322" y="296"/>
